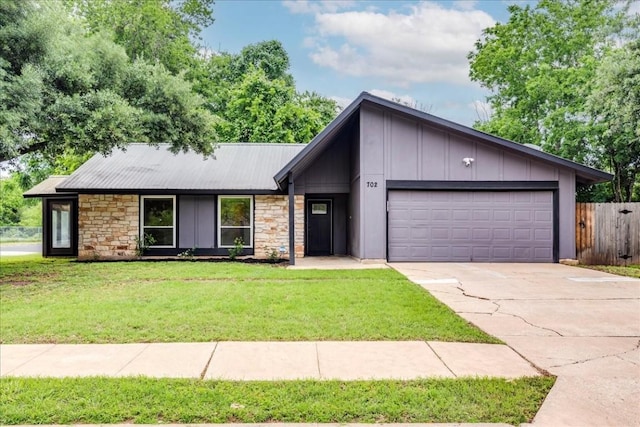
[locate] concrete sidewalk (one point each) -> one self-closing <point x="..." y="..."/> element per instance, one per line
<point x="322" y="360"/>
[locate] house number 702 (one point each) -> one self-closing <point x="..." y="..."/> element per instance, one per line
<point x="372" y="184"/>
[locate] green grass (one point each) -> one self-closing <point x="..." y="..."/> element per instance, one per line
<point x="143" y="400"/>
<point x="61" y="301"/>
<point x="630" y="270"/>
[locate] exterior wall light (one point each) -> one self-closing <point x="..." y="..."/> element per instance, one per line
<point x="468" y="160"/>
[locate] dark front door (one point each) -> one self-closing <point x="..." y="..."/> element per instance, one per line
<point x="319" y="225"/>
<point x="59" y="227"/>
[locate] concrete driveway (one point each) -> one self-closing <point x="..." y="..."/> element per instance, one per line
<point x="581" y="325"/>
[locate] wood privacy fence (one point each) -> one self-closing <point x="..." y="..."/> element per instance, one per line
<point x="608" y="233"/>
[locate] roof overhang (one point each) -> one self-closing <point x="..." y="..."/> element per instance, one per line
<point x="47" y="188"/>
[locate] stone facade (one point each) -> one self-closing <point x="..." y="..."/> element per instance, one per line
<point x="271" y="225"/>
<point x="107" y="225"/>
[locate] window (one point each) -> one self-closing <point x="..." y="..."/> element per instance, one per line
<point x="159" y="220"/>
<point x="60" y="225"/>
<point x="235" y="219"/>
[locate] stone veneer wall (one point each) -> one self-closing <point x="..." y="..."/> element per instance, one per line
<point x="271" y="224"/>
<point x="107" y="225"/>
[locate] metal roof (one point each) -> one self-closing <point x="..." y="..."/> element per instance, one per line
<point x="46" y="187"/>
<point x="584" y="174"/>
<point x="232" y="167"/>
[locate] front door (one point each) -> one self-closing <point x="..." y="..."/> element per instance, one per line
<point x="319" y="227"/>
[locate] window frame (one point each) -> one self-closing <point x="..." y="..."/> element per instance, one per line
<point x="219" y="225"/>
<point x="173" y="226"/>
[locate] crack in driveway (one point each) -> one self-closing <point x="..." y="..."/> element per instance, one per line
<point x="578" y="362"/>
<point x="499" y="310"/>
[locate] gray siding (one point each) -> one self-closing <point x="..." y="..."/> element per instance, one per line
<point x="397" y="148"/>
<point x="354" y="219"/>
<point x="329" y="173"/>
<point x="353" y="215"/>
<point x="340" y="224"/>
<point x="373" y="129"/>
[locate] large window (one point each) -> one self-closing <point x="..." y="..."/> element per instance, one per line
<point x="235" y="220"/>
<point x="60" y="224"/>
<point x="158" y="218"/>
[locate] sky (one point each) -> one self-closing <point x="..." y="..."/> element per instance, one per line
<point x="415" y="51"/>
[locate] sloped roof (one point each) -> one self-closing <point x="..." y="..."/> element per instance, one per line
<point x="232" y="167"/>
<point x="46" y="187"/>
<point x="584" y="174"/>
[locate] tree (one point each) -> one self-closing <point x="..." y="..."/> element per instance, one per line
<point x="158" y="31"/>
<point x="540" y="67"/>
<point x="62" y="89"/>
<point x="614" y="105"/>
<point x="255" y="97"/>
<point x="11" y="201"/>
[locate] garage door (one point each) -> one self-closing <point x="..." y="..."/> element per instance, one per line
<point x="487" y="226"/>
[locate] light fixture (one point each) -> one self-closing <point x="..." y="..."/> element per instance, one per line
<point x="468" y="160"/>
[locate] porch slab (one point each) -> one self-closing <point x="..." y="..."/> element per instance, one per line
<point x="379" y="360"/>
<point x="335" y="263"/>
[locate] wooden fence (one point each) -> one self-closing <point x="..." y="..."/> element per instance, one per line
<point x="608" y="233"/>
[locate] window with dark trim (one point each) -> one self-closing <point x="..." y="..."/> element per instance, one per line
<point x="158" y="220"/>
<point x="235" y="220"/>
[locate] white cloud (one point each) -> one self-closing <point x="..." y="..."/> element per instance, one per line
<point x="428" y="44"/>
<point x="316" y="6"/>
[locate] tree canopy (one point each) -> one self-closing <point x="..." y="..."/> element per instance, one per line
<point x="256" y="99"/>
<point x="541" y="67"/>
<point x="614" y="105"/>
<point x="63" y="89"/>
<point x="160" y="31"/>
<point x="84" y="76"/>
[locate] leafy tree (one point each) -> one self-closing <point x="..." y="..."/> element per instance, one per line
<point x="69" y="90"/>
<point x="161" y="31"/>
<point x="11" y="205"/>
<point x="614" y="105"/>
<point x="269" y="56"/>
<point x="255" y="97"/>
<point x="540" y="68"/>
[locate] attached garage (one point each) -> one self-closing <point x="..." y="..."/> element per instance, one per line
<point x="420" y="188"/>
<point x="463" y="226"/>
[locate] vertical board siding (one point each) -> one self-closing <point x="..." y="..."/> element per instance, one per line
<point x="608" y="233"/>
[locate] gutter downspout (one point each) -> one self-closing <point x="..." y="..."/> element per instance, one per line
<point x="292" y="222"/>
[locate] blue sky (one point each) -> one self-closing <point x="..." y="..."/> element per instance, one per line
<point x="412" y="50"/>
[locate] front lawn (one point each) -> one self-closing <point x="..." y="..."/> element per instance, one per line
<point x="62" y="301"/>
<point x="145" y="400"/>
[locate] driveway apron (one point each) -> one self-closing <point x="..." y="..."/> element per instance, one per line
<point x="581" y="325"/>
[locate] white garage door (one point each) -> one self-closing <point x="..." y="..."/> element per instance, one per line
<point x="486" y="226"/>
